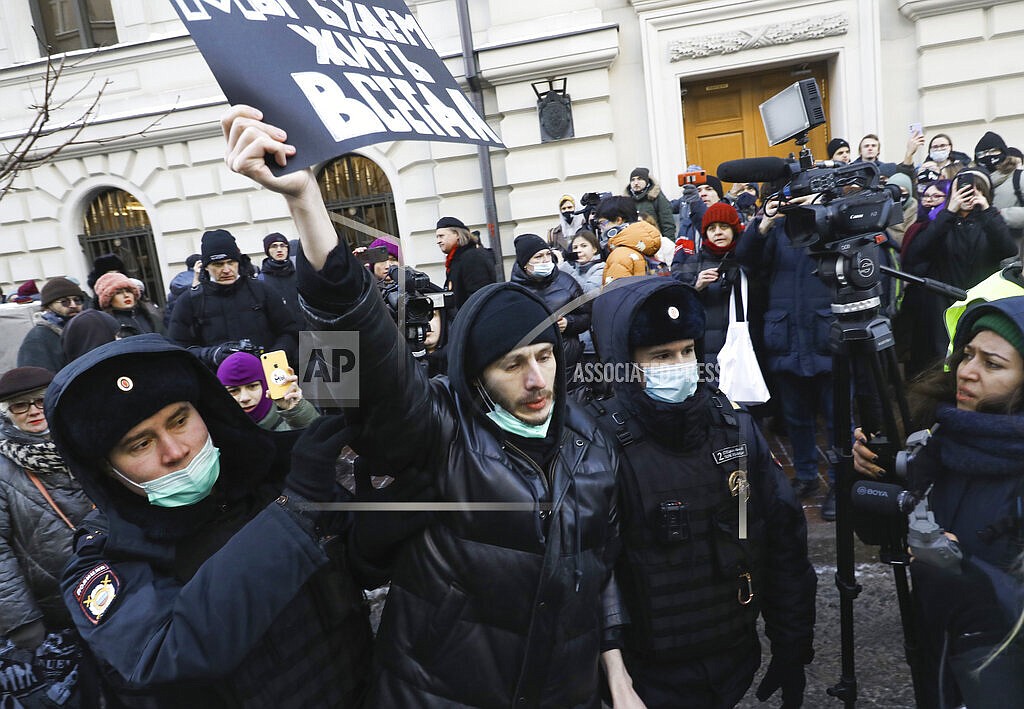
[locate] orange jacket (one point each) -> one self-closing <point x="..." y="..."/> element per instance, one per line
<point x="629" y="248"/>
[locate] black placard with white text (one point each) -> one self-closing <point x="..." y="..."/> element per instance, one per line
<point x="334" y="74"/>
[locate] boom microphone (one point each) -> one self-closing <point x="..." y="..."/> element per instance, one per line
<point x="882" y="498"/>
<point x="754" y="170"/>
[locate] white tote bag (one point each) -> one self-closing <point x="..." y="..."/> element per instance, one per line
<point x="738" y="371"/>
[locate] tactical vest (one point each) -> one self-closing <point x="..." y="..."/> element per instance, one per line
<point x="689" y="581"/>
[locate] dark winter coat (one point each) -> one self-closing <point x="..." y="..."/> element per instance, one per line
<point x="799" y="309"/>
<point x="279" y="277"/>
<point x="41" y="346"/>
<point x="493" y="609"/>
<point x="556" y="290"/>
<point x="976" y="461"/>
<point x="35" y="543"/>
<point x="655" y="204"/>
<point x="960" y="251"/>
<point x="470" y="270"/>
<point x="786" y="589"/>
<point x="179" y="286"/>
<point x="213" y="314"/>
<point x="139" y="319"/>
<point x="229" y="602"/>
<point x="715" y="297"/>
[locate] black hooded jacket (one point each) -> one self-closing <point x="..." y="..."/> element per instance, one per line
<point x="787" y="588"/>
<point x="486" y="609"/>
<point x="219" y="603"/>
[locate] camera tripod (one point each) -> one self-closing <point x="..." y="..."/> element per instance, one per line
<point x="859" y="336"/>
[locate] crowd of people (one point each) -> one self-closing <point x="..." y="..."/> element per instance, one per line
<point x="167" y="528"/>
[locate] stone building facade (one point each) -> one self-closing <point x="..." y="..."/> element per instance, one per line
<point x="629" y="67"/>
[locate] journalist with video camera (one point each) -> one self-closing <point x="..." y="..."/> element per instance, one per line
<point x="491" y="608"/>
<point x="229" y="306"/>
<point x="973" y="464"/>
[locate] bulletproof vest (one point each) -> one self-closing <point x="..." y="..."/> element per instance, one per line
<point x="689" y="581"/>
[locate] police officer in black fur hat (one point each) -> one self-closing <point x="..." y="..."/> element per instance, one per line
<point x="203" y="578"/>
<point x="713" y="535"/>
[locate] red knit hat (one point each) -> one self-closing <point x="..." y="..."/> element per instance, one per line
<point x="110" y="283"/>
<point x="723" y="213"/>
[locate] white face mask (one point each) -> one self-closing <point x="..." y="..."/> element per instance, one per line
<point x="939" y="156"/>
<point x="543" y="269"/>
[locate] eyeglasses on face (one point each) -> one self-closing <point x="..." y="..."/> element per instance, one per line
<point x="20" y="407"/>
<point x="68" y="302"/>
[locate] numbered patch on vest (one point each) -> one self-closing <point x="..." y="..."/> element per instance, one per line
<point x="724" y="455"/>
<point x="96" y="592"/>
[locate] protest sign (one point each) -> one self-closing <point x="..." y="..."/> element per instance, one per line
<point x="334" y="74"/>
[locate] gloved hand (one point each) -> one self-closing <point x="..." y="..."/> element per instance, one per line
<point x="377" y="537"/>
<point x="315" y="457"/>
<point x="785" y="671"/>
<point x="690" y="194"/>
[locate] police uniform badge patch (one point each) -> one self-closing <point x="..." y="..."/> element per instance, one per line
<point x="96" y="592"/>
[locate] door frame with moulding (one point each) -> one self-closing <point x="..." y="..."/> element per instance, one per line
<point x="721" y="120"/>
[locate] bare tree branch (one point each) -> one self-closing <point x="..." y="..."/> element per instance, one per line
<point x="24" y="155"/>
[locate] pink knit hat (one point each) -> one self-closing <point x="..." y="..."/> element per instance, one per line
<point x="110" y="283"/>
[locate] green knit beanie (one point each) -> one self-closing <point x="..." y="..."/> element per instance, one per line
<point x="1002" y="326"/>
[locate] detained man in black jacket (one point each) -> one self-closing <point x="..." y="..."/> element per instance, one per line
<point x="712" y="533"/>
<point x="202" y="579"/>
<point x="229" y="305"/>
<point x="508" y="606"/>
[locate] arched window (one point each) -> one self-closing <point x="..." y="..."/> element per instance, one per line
<point x="116" y="223"/>
<point x="356" y="188"/>
<point x="66" y="25"/>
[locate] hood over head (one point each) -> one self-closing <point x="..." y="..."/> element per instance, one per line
<point x="1005" y="317"/>
<point x="617" y="319"/>
<point x="97" y="398"/>
<point x="87" y="331"/>
<point x="493" y="317"/>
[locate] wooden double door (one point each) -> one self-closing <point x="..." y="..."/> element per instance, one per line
<point x="721" y="119"/>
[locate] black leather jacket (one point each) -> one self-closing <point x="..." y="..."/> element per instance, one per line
<point x="486" y="608"/>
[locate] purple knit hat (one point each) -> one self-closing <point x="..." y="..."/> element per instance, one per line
<point x="391" y="247"/>
<point x="243" y="368"/>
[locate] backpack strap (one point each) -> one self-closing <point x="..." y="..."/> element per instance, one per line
<point x="1016" y="187"/>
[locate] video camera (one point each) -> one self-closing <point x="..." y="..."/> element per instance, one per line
<point x="411" y="306"/>
<point x="590" y="200"/>
<point x="925" y="537"/>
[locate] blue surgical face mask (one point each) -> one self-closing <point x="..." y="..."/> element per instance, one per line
<point x="543" y="270"/>
<point x="673" y="383"/>
<point x="186" y="486"/>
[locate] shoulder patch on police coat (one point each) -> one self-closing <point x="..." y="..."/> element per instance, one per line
<point x="724" y="455"/>
<point x="96" y="592"/>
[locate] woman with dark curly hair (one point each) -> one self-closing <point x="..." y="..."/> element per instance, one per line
<point x="972" y="473"/>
